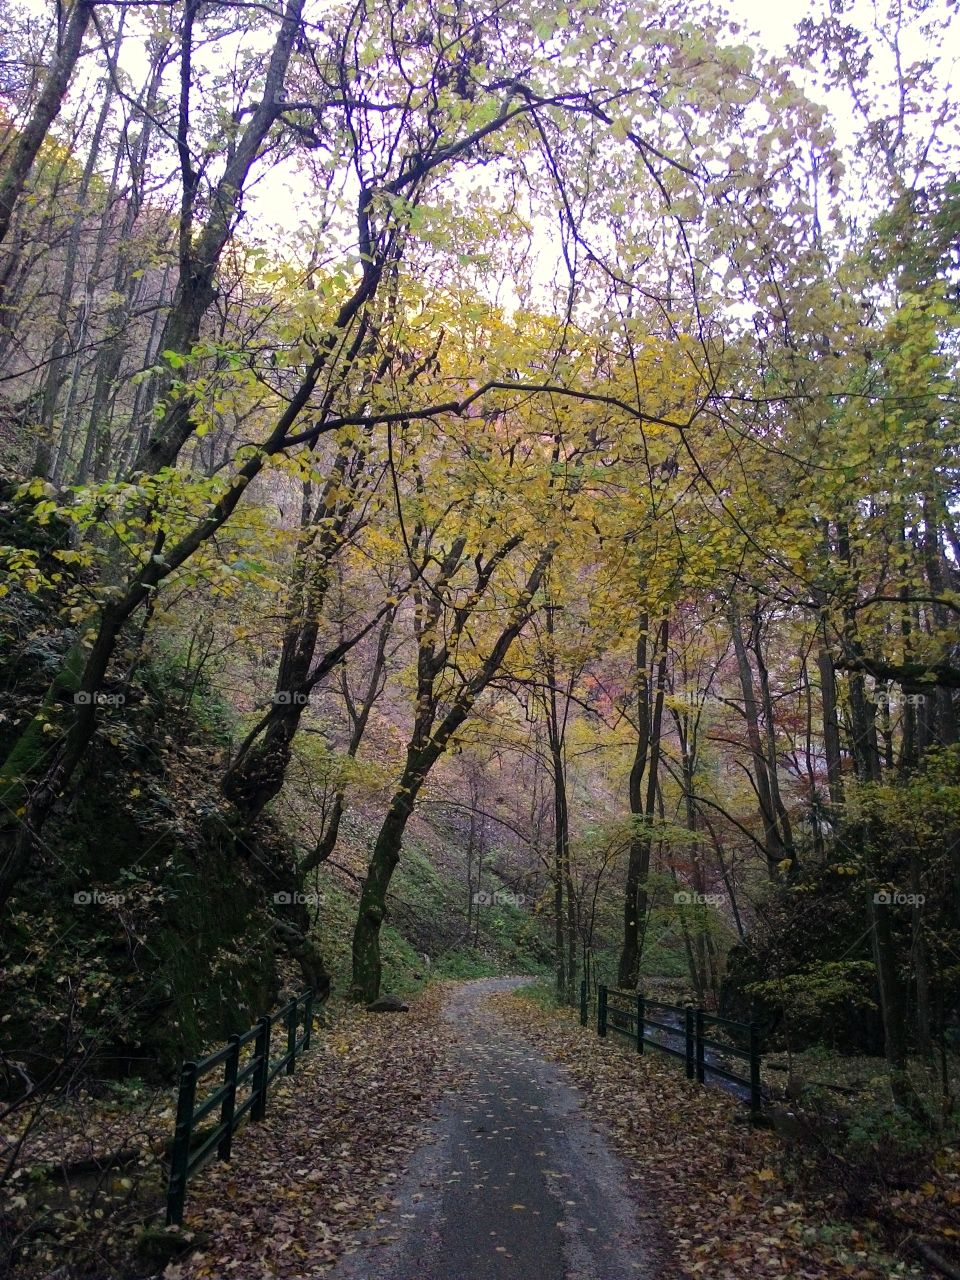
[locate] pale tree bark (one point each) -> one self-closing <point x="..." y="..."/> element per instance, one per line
<point x="831" y="725"/>
<point x="200" y="251"/>
<point x="56" y="371"/>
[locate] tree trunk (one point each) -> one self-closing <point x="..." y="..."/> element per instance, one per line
<point x="428" y="743"/>
<point x="563" y="908"/>
<point x="367" y="969"/>
<point x="56" y="371"/>
<point x="774" y="847"/>
<point x="69" y="44"/>
<point x="646" y="761"/>
<point x="766" y="702"/>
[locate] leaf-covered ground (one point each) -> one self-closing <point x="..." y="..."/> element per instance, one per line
<point x="724" y="1191"/>
<point x="321" y="1165"/>
<point x="328" y="1164"/>
<point x="516" y="1182"/>
<point x="299" y="1185"/>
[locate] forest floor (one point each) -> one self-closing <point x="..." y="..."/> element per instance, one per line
<point x="482" y="1135"/>
<point x="735" y="1202"/>
<point x="472" y="1150"/>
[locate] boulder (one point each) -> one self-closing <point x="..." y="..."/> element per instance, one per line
<point x="387" y="1004"/>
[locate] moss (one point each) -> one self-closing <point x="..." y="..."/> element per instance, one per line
<point x="168" y="948"/>
<point x="158" y="1246"/>
<point x="34" y="742"/>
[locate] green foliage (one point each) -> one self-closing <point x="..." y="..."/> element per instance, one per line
<point x="816" y="996"/>
<point x="876" y="1131"/>
<point x="467" y="963"/>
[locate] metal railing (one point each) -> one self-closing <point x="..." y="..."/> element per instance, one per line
<point x="259" y="1071"/>
<point x="628" y="1014"/>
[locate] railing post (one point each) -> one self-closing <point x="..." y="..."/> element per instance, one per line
<point x="640" y="1017"/>
<point x="308" y="1019"/>
<point x="227" y="1107"/>
<point x="700" y="1046"/>
<point x="180" y="1152"/>
<point x="688" y="1031"/>
<point x="755" y="1094"/>
<point x="601" y="1011"/>
<point x="584" y="1011"/>
<point x="293" y="1019"/>
<point x="262" y="1072"/>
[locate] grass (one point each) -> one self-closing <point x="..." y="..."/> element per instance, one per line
<point x="861" y="1075"/>
<point x="426" y="917"/>
<point x="541" y="993"/>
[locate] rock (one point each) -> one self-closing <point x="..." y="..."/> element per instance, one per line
<point x="387" y="1004"/>
<point x="157" y="1246"/>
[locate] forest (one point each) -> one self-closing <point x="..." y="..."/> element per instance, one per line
<point x="479" y="497"/>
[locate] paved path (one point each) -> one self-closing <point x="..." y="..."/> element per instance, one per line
<point x="515" y="1183"/>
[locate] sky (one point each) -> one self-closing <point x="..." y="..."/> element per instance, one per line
<point x="279" y="200"/>
<point x="773" y="19"/>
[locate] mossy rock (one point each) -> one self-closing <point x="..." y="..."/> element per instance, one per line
<point x="158" y="1246"/>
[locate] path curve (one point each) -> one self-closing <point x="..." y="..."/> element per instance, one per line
<point x="514" y="1182"/>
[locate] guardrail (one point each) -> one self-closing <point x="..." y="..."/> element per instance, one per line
<point x="259" y="1070"/>
<point x="628" y="1014"/>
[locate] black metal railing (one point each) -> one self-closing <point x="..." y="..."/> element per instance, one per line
<point x="191" y="1149"/>
<point x="680" y="1031"/>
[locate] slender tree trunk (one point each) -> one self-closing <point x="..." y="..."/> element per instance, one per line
<point x="774" y="847"/>
<point x="943" y="713"/>
<point x="56" y="371"/>
<point x="367" y="968"/>
<point x="725" y="875"/>
<point x="471" y="853"/>
<point x="863" y="730"/>
<point x="642" y="800"/>
<point x="428" y="743"/>
<point x="563" y="906"/>
<point x="30" y="139"/>
<point x="766" y="702"/>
